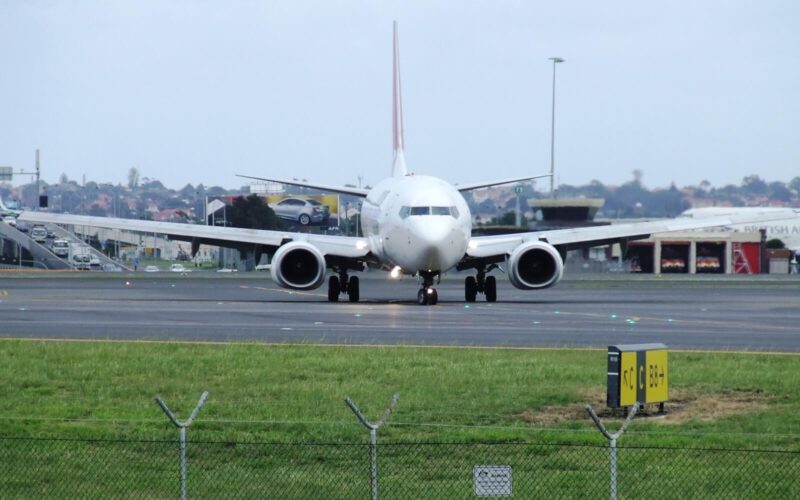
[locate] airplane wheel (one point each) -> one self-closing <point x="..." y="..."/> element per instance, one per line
<point x="352" y="289"/>
<point x="470" y="289"/>
<point x="333" y="289"/>
<point x="422" y="297"/>
<point x="433" y="297"/>
<point x="490" y="289"/>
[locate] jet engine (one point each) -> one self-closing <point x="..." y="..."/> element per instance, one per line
<point x="535" y="264"/>
<point x="298" y="265"/>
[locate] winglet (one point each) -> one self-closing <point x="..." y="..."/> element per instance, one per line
<point x="399" y="168"/>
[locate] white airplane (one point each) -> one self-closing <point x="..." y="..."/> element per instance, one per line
<point x="787" y="230"/>
<point x="413" y="224"/>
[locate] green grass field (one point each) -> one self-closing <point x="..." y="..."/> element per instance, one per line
<point x="497" y="405"/>
<point x="268" y="392"/>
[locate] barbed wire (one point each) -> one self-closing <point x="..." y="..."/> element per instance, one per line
<point x="349" y="423"/>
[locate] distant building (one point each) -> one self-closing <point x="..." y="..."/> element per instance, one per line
<point x="566" y="212"/>
<point x="698" y="252"/>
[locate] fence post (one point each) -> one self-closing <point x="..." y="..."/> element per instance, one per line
<point x="182" y="426"/>
<point x="612" y="438"/>
<point x="373" y="438"/>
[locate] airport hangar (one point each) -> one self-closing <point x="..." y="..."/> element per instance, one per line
<point x="712" y="251"/>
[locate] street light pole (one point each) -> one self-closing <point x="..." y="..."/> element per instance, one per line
<point x="38" y="184"/>
<point x="555" y="60"/>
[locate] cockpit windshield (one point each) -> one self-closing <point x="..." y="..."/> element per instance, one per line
<point x="407" y="211"/>
<point x="420" y="210"/>
<point x="440" y="210"/>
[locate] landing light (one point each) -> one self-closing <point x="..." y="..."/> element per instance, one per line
<point x="361" y="244"/>
<point x="430" y="291"/>
<point x="395" y="273"/>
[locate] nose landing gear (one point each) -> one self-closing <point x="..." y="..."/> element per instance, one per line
<point x="487" y="285"/>
<point x="427" y="295"/>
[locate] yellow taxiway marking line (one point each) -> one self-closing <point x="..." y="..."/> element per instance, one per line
<point x="381" y="346"/>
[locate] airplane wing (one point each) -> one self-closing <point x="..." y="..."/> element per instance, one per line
<point x="322" y="187"/>
<point x="363" y="192"/>
<point x="234" y="237"/>
<point x="482" y="247"/>
<point x="478" y="185"/>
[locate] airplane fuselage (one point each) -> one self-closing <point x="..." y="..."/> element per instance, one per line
<point x="418" y="223"/>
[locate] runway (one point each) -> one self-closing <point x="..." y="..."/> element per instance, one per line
<point x="755" y="314"/>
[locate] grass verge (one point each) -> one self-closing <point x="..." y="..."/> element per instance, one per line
<point x="498" y="406"/>
<point x="273" y="392"/>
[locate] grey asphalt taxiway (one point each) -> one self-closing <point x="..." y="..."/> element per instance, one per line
<point x="755" y="313"/>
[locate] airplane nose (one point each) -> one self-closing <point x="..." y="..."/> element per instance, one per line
<point x="433" y="239"/>
<point x="432" y="234"/>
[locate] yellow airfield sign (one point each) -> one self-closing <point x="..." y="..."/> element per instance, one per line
<point x="637" y="373"/>
<point x="628" y="385"/>
<point x="657" y="378"/>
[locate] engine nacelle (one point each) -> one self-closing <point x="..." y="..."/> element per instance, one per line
<point x="298" y="265"/>
<point x="535" y="264"/>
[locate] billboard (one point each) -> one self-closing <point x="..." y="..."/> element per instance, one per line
<point x="306" y="210"/>
<point x="315" y="212"/>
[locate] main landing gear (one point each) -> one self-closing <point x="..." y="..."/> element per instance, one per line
<point x="339" y="285"/>
<point x="481" y="283"/>
<point x="427" y="295"/>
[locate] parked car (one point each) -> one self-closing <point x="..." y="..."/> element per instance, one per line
<point x="61" y="247"/>
<point x="39" y="234"/>
<point x="51" y="233"/>
<point x="303" y="211"/>
<point x="81" y="261"/>
<point x="151" y="269"/>
<point x="179" y="268"/>
<point x="94" y="261"/>
<point x="10" y="220"/>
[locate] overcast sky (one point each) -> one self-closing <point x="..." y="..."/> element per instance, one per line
<point x="194" y="91"/>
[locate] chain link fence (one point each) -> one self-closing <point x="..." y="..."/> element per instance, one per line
<point x="68" y="468"/>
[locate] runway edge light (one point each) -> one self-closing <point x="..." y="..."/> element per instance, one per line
<point x="637" y="373"/>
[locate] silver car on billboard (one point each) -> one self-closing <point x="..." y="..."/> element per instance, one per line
<point x="302" y="211"/>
